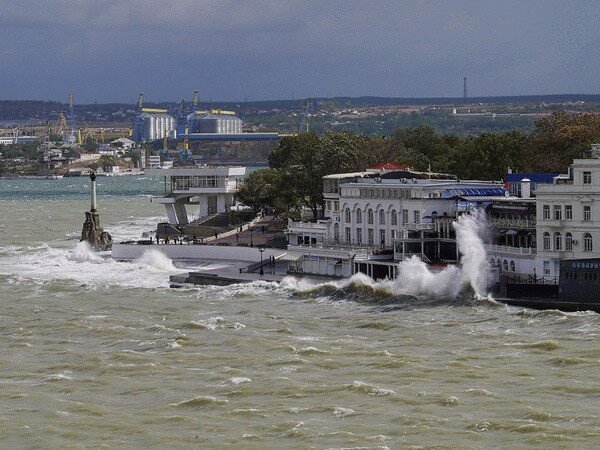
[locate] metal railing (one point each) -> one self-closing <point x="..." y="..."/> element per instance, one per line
<point x="513" y="223"/>
<point x="512" y="250"/>
<point x="527" y="279"/>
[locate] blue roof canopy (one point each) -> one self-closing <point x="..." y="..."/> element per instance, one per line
<point x="533" y="177"/>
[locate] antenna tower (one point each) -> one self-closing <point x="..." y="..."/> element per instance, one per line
<point x="72" y="138"/>
<point x="465" y="88"/>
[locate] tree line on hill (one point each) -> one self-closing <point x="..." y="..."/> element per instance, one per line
<point x="297" y="166"/>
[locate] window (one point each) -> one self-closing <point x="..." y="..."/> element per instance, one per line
<point x="336" y="232"/>
<point x="348" y="215"/>
<point x="512" y="266"/>
<point x="587" y="213"/>
<point x="587" y="243"/>
<point x="505" y="266"/>
<point x="587" y="177"/>
<point x="546" y="241"/>
<point x="557" y="241"/>
<point x="568" y="242"/>
<point x="381" y="217"/>
<point x="546" y="267"/>
<point x="417" y="215"/>
<point x="404" y="216"/>
<point x="359" y="236"/>
<point x="568" y="212"/>
<point x="371" y="236"/>
<point x="394" y="218"/>
<point x="557" y="212"/>
<point x="382" y="237"/>
<point x="546" y="212"/>
<point x="359" y="215"/>
<point x="348" y="235"/>
<point x="370" y="217"/>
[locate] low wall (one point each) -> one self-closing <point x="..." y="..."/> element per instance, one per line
<point x="197" y="252"/>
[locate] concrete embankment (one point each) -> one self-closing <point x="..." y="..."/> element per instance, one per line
<point x="127" y="252"/>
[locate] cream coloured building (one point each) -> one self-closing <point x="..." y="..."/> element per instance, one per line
<point x="568" y="216"/>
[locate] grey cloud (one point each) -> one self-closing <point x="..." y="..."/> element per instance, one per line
<point x="108" y="50"/>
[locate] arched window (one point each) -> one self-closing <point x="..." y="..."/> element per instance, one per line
<point x="336" y="232"/>
<point x="546" y="241"/>
<point x="587" y="243"/>
<point x="499" y="264"/>
<point x="347" y="214"/>
<point x="492" y="262"/>
<point x="359" y="215"/>
<point x="505" y="266"/>
<point x="512" y="266"/>
<point x="394" y="218"/>
<point x="568" y="242"/>
<point x="381" y="217"/>
<point x="557" y="241"/>
<point x="370" y="216"/>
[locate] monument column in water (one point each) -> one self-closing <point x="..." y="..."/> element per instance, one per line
<point x="92" y="231"/>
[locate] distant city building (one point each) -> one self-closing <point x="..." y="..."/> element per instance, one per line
<point x="153" y="161"/>
<point x="14" y="140"/>
<point x="218" y="123"/>
<point x="152" y="126"/>
<point x="122" y="143"/>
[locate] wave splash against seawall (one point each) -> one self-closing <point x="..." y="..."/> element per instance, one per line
<point x="415" y="278"/>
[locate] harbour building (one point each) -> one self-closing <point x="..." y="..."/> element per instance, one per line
<point x="223" y="122"/>
<point x="206" y="190"/>
<point x="153" y="124"/>
<point x="374" y="219"/>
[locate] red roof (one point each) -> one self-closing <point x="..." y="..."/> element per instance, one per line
<point x="389" y="166"/>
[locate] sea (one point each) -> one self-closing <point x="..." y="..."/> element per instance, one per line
<point x="99" y="353"/>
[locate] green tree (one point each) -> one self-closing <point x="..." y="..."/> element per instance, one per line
<point x="265" y="188"/>
<point x="561" y="137"/>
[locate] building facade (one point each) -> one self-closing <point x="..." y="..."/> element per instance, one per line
<point x="152" y="126"/>
<point x="376" y="218"/>
<point x="568" y="216"/>
<point x="210" y="189"/>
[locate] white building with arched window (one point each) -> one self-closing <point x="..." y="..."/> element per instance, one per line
<point x="374" y="219"/>
<point x="568" y="216"/>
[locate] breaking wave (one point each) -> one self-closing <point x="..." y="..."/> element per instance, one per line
<point x="416" y="278"/>
<point x="85" y="266"/>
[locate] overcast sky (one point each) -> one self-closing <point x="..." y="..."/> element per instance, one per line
<point x="109" y="50"/>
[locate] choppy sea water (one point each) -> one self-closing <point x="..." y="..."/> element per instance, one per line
<point x="99" y="353"/>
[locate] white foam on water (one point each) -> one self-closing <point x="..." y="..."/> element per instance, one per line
<point x="85" y="266"/>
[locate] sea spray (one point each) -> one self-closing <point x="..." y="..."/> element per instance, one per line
<point x="156" y="261"/>
<point x="470" y="230"/>
<point x="416" y="278"/>
<point x="83" y="252"/>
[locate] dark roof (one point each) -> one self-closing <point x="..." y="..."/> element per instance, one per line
<point x="533" y="177"/>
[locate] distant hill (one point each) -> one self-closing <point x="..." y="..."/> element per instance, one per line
<point x="49" y="110"/>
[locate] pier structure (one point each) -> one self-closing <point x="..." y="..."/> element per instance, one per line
<point x="210" y="188"/>
<point x="92" y="232"/>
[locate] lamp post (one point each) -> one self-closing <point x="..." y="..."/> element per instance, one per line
<point x="251" y="243"/>
<point x="261" y="272"/>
